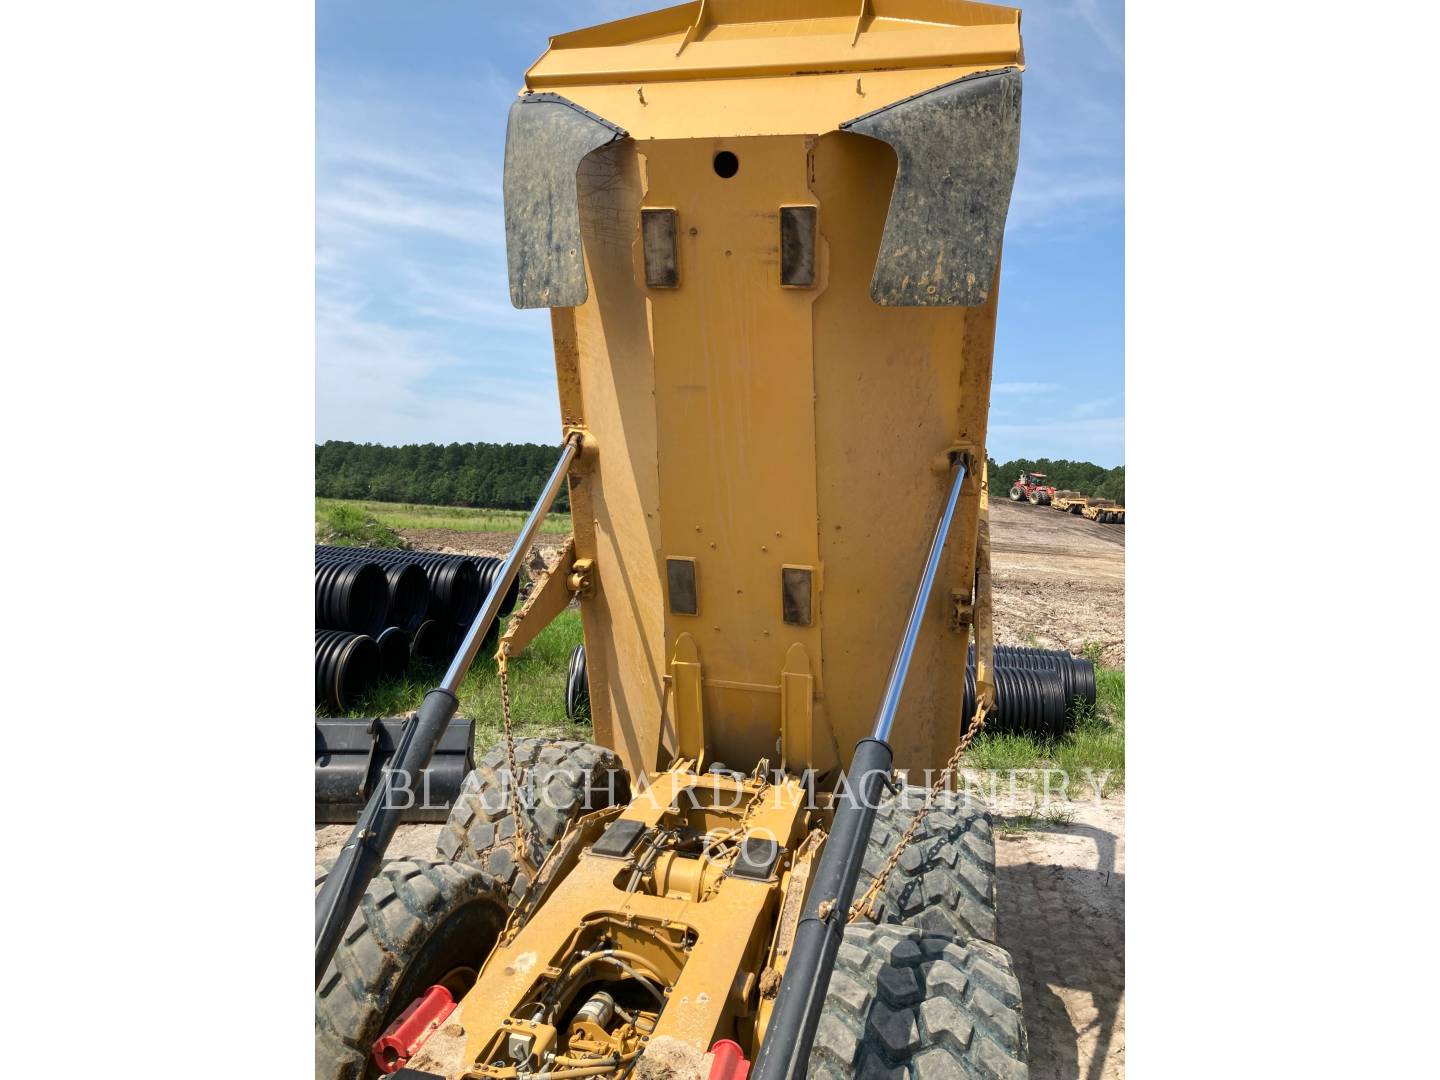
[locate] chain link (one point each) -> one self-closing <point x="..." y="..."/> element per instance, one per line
<point x="502" y="665"/>
<point x="521" y="838"/>
<point x="863" y="908"/>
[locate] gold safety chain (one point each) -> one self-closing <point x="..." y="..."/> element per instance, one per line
<point x="502" y="664"/>
<point x="862" y="908"/>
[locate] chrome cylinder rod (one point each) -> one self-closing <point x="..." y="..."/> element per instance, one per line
<point x="900" y="666"/>
<point x="465" y="655"/>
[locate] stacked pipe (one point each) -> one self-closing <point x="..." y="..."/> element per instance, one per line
<point x="1077" y="675"/>
<point x="577" y="686"/>
<point x="346" y="665"/>
<point x="1037" y="691"/>
<point x="412" y="605"/>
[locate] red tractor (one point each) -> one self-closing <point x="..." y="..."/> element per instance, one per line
<point x="1031" y="485"/>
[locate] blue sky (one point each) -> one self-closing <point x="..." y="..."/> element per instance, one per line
<point x="416" y="340"/>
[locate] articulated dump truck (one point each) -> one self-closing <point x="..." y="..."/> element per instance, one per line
<point x="768" y="233"/>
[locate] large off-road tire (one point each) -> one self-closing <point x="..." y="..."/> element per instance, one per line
<point x="1035" y="498"/>
<point x="560" y="781"/>
<point x="906" y="1003"/>
<point x="1016" y="495"/>
<point x="945" y="880"/>
<point x="420" y="924"/>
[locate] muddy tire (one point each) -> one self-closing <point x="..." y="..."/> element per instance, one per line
<point x="560" y="781"/>
<point x="1016" y="495"/>
<point x="420" y="923"/>
<point x="907" y="1003"/>
<point x="945" y="880"/>
<point x="1034" y="498"/>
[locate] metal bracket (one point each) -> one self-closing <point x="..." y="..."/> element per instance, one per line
<point x="688" y="688"/>
<point x="581" y="580"/>
<point x="962" y="611"/>
<point x="805" y="737"/>
<point x="586" y="445"/>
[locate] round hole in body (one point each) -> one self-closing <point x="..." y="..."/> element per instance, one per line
<point x="726" y="164"/>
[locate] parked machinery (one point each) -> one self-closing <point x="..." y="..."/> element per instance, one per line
<point x="769" y="236"/>
<point x="1105" y="511"/>
<point x="1031" y="487"/>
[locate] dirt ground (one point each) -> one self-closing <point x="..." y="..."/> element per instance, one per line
<point x="1058" y="580"/>
<point x="1061" y="897"/>
<point x="477" y="543"/>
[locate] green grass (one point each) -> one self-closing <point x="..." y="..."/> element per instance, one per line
<point x="1094" y="747"/>
<point x="454" y="518"/>
<point x="537" y="689"/>
<point x="348" y="525"/>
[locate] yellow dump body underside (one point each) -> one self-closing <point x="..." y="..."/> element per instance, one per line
<point x="726" y="68"/>
<point x="748" y="427"/>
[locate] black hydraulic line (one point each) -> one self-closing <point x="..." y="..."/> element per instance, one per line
<point x="363" y="853"/>
<point x="785" y="1051"/>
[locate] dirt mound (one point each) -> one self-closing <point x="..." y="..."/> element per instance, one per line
<point x="1058" y="580"/>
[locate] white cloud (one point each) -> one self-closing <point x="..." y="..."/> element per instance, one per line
<point x="380" y="383"/>
<point x="1089" y="12"/>
<point x="1098" y="431"/>
<point x="1090" y="408"/>
<point x="1024" y="387"/>
<point x="415" y="337"/>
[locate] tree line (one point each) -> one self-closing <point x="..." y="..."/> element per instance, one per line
<point x="506" y="476"/>
<point x="509" y="476"/>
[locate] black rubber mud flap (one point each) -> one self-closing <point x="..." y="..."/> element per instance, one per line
<point x="958" y="146"/>
<point x="545" y="141"/>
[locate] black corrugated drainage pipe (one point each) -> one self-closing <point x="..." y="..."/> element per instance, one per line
<point x="351" y="596"/>
<point x="1077" y="675"/>
<point x="431" y="643"/>
<point x="409" y="589"/>
<point x="346" y="665"/>
<point x="577" y="686"/>
<point x="1026" y="702"/>
<point x="394" y="651"/>
<point x="455" y="592"/>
